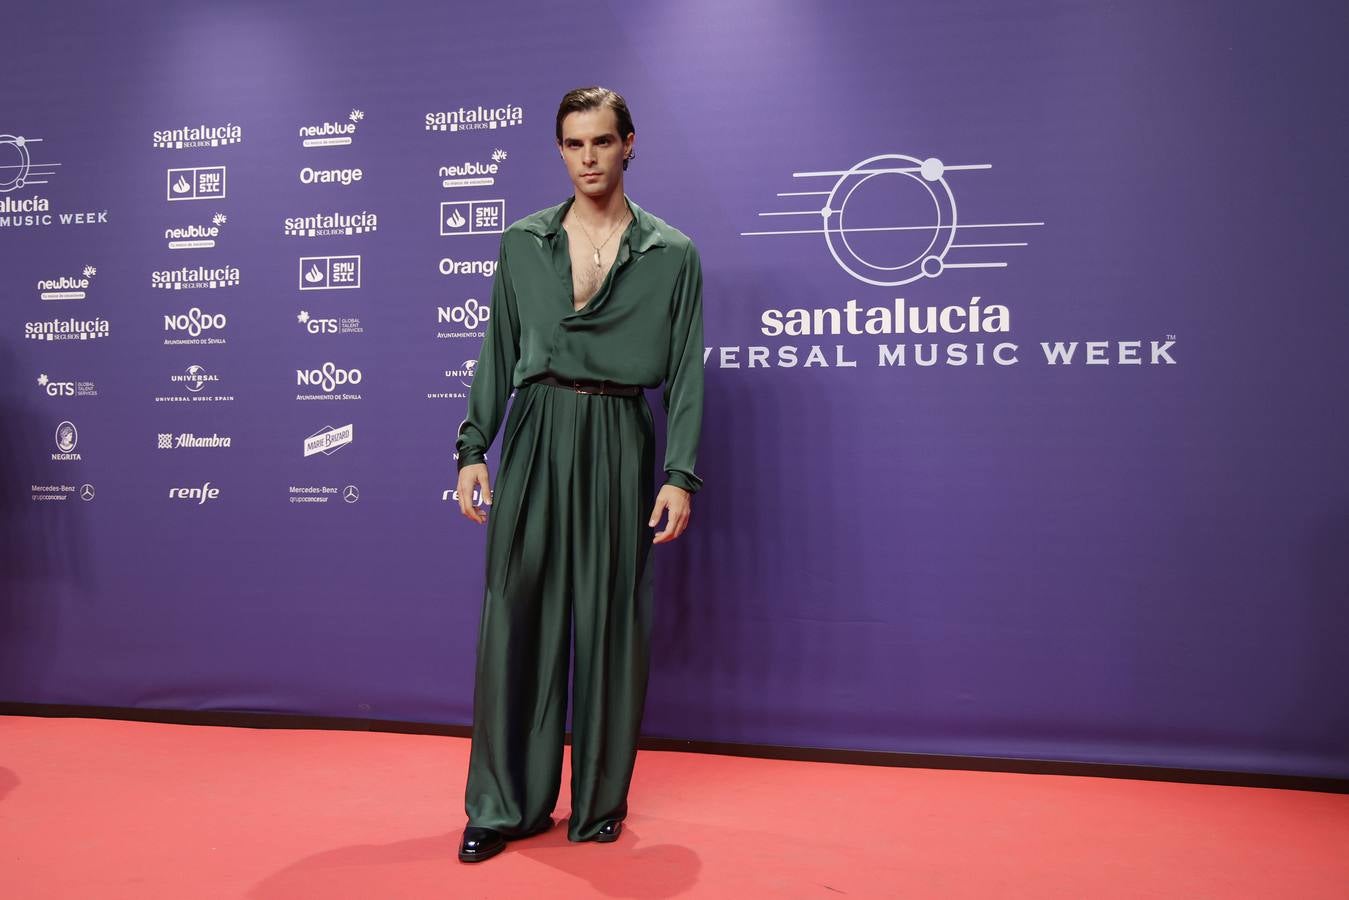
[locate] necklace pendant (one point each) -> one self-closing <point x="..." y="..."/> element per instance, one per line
<point x="597" y="259"/>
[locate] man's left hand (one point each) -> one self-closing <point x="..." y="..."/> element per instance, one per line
<point x="674" y="502"/>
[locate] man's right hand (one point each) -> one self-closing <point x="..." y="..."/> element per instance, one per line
<point x="472" y="478"/>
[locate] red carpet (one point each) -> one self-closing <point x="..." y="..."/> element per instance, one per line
<point x="104" y="810"/>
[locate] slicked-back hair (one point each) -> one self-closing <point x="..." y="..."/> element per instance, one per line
<point x="596" y="97"/>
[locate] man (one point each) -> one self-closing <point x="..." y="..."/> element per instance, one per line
<point x="593" y="300"/>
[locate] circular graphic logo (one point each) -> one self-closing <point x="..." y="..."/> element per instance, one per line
<point x="14" y="162"/>
<point x="86" y="492"/>
<point x="351" y="493"/>
<point x="67" y="437"/>
<point x="867" y="202"/>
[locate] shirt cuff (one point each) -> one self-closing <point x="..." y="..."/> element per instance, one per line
<point x="688" y="482"/>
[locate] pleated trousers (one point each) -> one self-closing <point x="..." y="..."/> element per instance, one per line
<point x="568" y="550"/>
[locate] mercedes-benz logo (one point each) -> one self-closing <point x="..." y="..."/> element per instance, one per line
<point x="86" y="492"/>
<point x="351" y="493"/>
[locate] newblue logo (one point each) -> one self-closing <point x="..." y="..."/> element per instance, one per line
<point x="331" y="134"/>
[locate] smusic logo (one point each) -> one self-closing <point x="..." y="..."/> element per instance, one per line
<point x="330" y="273"/>
<point x="472" y="217"/>
<point x="198" y="183"/>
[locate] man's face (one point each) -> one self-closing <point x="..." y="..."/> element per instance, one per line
<point x="593" y="151"/>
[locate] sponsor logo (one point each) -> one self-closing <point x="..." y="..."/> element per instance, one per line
<point x="195" y="324"/>
<point x="198" y="495"/>
<point x="189" y="441"/>
<point x="322" y="493"/>
<point x="195" y="381"/>
<point x="191" y="136"/>
<point x="452" y="496"/>
<point x="475" y="118"/>
<point x="473" y="174"/>
<point x="197" y="183"/>
<point x="67" y="287"/>
<point x="195" y="237"/>
<point x="66" y="388"/>
<point x="66" y="330"/>
<point x="467" y="319"/>
<point x="18" y="170"/>
<point x="472" y="217"/>
<point x="877" y="249"/>
<point x="42" y="492"/>
<point x="330" y="273"/>
<point x="331" y="134"/>
<point x="329" y="325"/>
<point x="484" y="267"/>
<point x="329" y="224"/>
<point x="344" y="177"/>
<point x="328" y="440"/>
<point x="892" y="220"/>
<point x="67" y="439"/>
<point x="328" y="378"/>
<point x="195" y="277"/>
<point x="461" y="376"/>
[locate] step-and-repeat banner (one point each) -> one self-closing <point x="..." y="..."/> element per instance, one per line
<point x="1026" y="410"/>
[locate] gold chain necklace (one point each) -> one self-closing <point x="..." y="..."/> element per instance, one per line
<point x="586" y="232"/>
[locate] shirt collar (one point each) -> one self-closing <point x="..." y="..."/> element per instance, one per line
<point x="645" y="235"/>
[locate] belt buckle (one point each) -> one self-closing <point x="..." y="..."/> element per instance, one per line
<point x="586" y="389"/>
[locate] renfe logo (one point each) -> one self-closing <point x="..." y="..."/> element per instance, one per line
<point x="201" y="494"/>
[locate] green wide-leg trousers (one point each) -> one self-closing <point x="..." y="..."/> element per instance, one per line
<point x="567" y="545"/>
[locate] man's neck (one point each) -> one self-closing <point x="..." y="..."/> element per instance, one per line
<point x="600" y="212"/>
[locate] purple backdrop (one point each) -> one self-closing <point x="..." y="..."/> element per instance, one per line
<point x="1137" y="556"/>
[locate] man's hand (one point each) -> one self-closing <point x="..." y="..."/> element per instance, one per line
<point x="470" y="478"/>
<point x="674" y="501"/>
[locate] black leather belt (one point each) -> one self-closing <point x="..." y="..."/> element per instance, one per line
<point x="604" y="388"/>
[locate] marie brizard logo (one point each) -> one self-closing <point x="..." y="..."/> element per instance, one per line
<point x="858" y="220"/>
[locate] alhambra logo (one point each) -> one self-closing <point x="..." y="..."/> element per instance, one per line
<point x="330" y="224"/>
<point x="196" y="237"/>
<point x="331" y="134"/>
<point x="188" y="137"/>
<point x="475" y="118"/>
<point x="67" y="287"/>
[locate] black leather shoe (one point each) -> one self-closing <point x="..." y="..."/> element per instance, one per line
<point x="609" y="831"/>
<point x="480" y="843"/>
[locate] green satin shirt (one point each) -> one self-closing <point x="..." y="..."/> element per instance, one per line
<point x="643" y="326"/>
